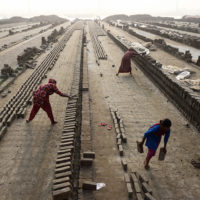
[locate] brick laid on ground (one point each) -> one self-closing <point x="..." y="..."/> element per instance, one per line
<point x="134" y="179"/>
<point x="121" y="151"/>
<point x="89" y="185"/>
<point x="62" y="160"/>
<point x="3" y="131"/>
<point x="67" y="147"/>
<point x="148" y="196"/>
<point x="61" y="185"/>
<point x="65" y="155"/>
<point x="129" y="189"/>
<point x="127" y="178"/>
<point x="86" y="162"/>
<point x="63" y="164"/>
<point x="124" y="163"/>
<point x="88" y="154"/>
<point x="146" y="188"/>
<point x="62" y="194"/>
<point x="137" y="187"/>
<point x="64" y="151"/>
<point x="124" y="138"/>
<point x="67" y="140"/>
<point x="64" y="174"/>
<point x="139" y="196"/>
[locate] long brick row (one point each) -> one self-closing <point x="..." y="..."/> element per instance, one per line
<point x="16" y="107"/>
<point x="120" y="131"/>
<point x="65" y="183"/>
<point x="94" y="32"/>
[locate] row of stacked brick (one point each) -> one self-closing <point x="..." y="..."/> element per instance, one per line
<point x="186" y="100"/>
<point x="137" y="186"/>
<point x="66" y="176"/>
<point x="188" y="39"/>
<point x="119" y="129"/>
<point x="16" y="107"/>
<point x="166" y="47"/>
<point x="120" y="134"/>
<point x="94" y="33"/>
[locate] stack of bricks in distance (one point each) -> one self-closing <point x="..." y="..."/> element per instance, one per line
<point x="65" y="169"/>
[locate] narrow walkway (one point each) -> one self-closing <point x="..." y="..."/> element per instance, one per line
<point x="107" y="164"/>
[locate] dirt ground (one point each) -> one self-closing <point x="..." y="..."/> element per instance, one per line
<point x="28" y="151"/>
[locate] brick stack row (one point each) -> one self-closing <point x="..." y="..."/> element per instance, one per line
<point x="17" y="105"/>
<point x="66" y="173"/>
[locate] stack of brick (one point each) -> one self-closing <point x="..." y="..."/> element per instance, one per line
<point x="120" y="134"/>
<point x="98" y="48"/>
<point x="138" y="187"/>
<point x="86" y="184"/>
<point x="65" y="183"/>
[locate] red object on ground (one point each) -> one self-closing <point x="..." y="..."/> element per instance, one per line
<point x="109" y="127"/>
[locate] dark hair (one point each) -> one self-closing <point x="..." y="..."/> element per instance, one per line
<point x="51" y="80"/>
<point x="131" y="49"/>
<point x="166" y="122"/>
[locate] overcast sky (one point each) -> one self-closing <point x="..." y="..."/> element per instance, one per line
<point x="91" y="8"/>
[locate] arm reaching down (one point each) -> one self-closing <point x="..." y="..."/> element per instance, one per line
<point x="57" y="91"/>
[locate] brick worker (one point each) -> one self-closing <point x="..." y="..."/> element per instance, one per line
<point x="41" y="100"/>
<point x="153" y="137"/>
<point x="125" y="66"/>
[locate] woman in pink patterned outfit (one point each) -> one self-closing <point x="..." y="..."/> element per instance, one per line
<point x="41" y="100"/>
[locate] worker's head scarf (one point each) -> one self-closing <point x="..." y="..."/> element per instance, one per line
<point x="53" y="81"/>
<point x="131" y="49"/>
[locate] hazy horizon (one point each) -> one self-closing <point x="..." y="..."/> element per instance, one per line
<point x="102" y="8"/>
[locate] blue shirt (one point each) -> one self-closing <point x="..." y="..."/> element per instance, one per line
<point x="153" y="138"/>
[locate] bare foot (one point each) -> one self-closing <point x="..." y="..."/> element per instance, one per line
<point x="146" y="165"/>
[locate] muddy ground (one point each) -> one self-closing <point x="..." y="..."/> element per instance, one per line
<point x="28" y="151"/>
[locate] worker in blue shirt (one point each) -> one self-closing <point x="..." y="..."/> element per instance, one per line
<point x="153" y="137"/>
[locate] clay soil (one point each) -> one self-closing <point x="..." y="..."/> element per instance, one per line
<point x="28" y="151"/>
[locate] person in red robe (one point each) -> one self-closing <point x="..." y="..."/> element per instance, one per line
<point x="125" y="66"/>
<point x="41" y="100"/>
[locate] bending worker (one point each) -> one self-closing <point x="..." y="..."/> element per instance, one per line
<point x="41" y="100"/>
<point x="153" y="137"/>
<point x="125" y="66"/>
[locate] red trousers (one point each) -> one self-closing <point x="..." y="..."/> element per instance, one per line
<point x="46" y="107"/>
<point x="150" y="153"/>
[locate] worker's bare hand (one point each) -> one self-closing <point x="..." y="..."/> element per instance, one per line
<point x="164" y="150"/>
